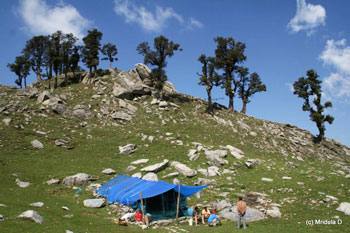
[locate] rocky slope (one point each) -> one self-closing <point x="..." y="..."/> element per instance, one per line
<point x="85" y="132"/>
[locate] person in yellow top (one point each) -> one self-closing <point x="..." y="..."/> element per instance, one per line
<point x="205" y="214"/>
<point x="241" y="209"/>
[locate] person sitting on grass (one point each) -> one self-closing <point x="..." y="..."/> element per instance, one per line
<point x="213" y="219"/>
<point x="197" y="215"/>
<point x="205" y="214"/>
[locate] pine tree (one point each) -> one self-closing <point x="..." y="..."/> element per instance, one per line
<point x="228" y="54"/>
<point x="110" y="51"/>
<point x="67" y="49"/>
<point x="248" y="86"/>
<point x="310" y="88"/>
<point x="157" y="58"/>
<point x="35" y="49"/>
<point x="208" y="78"/>
<point x="21" y="68"/>
<point x="91" y="49"/>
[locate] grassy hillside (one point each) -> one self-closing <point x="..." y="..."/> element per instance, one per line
<point x="96" y="148"/>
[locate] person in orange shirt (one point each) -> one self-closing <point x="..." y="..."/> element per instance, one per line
<point x="205" y="214"/>
<point x="241" y="209"/>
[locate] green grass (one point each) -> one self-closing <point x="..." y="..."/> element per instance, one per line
<point x="91" y="156"/>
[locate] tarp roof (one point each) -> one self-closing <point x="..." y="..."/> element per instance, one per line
<point x="126" y="190"/>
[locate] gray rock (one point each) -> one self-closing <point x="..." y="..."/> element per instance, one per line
<point x="130" y="168"/>
<point x="202" y="171"/>
<point x="236" y="153"/>
<point x="127" y="149"/>
<point x="156" y="167"/>
<point x="61" y="142"/>
<point x="266" y="179"/>
<point x="7" y="121"/>
<point x="222" y="205"/>
<point x="121" y="92"/>
<point x="344" y="207"/>
<point x="22" y="184"/>
<point x="291" y="164"/>
<point x="37" y="144"/>
<point x="37" y="204"/>
<point x="143" y="71"/>
<point x="169" y="88"/>
<point x="108" y="171"/>
<point x="286" y="178"/>
<point x="163" y="104"/>
<point x="193" y="155"/>
<point x="216" y="156"/>
<point x="347" y="176"/>
<point x="183" y="169"/>
<point x="77" y="179"/>
<point x="81" y="114"/>
<point x="68" y="231"/>
<point x="94" y="203"/>
<point x="140" y="161"/>
<point x="2" y="218"/>
<point x="32" y="215"/>
<point x="150" y="176"/>
<point x="137" y="174"/>
<point x="253" y="134"/>
<point x="173" y="174"/>
<point x="53" y="181"/>
<point x="251" y="214"/>
<point x="59" y="109"/>
<point x="275" y="212"/>
<point x="43" y="96"/>
<point x="213" y="171"/>
<point x="250" y="163"/>
<point x="121" y="116"/>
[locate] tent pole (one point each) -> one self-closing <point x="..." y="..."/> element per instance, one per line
<point x="178" y="203"/>
<point x="143" y="211"/>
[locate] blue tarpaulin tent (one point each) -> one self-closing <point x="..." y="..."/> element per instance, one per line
<point x="159" y="196"/>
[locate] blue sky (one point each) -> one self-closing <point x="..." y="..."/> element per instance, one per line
<point x="283" y="38"/>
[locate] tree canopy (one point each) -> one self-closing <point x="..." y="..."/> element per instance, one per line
<point x="110" y="51"/>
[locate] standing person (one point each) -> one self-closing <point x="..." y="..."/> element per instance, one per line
<point x="241" y="208"/>
<point x="205" y="214"/>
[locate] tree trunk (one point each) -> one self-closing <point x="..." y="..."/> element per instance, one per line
<point x="38" y="77"/>
<point x="321" y="132"/>
<point x="244" y="106"/>
<point x="110" y="65"/>
<point x="55" y="85"/>
<point x="25" y="82"/>
<point x="230" y="103"/>
<point x="210" y="106"/>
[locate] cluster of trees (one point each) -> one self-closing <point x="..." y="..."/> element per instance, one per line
<point x="225" y="70"/>
<point x="59" y="54"/>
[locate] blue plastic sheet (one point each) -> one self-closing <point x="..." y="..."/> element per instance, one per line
<point x="126" y="190"/>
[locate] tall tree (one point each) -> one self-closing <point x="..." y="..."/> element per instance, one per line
<point x="35" y="49"/>
<point x="310" y="88"/>
<point x="110" y="51"/>
<point x="74" y="59"/>
<point x="208" y="78"/>
<point x="67" y="47"/>
<point x="91" y="49"/>
<point x="229" y="54"/>
<point x="157" y="58"/>
<point x="21" y="68"/>
<point x="248" y="86"/>
<point x="48" y="59"/>
<point x="57" y="55"/>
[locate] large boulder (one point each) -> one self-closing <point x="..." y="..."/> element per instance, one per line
<point x="32" y="215"/>
<point x="216" y="156"/>
<point x="127" y="149"/>
<point x="143" y="71"/>
<point x="344" y="207"/>
<point x="43" y="96"/>
<point x="94" y="203"/>
<point x="123" y="116"/>
<point x="237" y="153"/>
<point x="77" y="179"/>
<point x="251" y="214"/>
<point x="170" y="88"/>
<point x="274" y="213"/>
<point x="150" y="176"/>
<point x="183" y="169"/>
<point x="156" y="167"/>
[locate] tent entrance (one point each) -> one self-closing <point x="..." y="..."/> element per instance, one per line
<point x="164" y="206"/>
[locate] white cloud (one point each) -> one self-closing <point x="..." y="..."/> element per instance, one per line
<point x="337" y="54"/>
<point x="150" y="21"/>
<point x="193" y="23"/>
<point x="308" y="17"/>
<point x="41" y="18"/>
